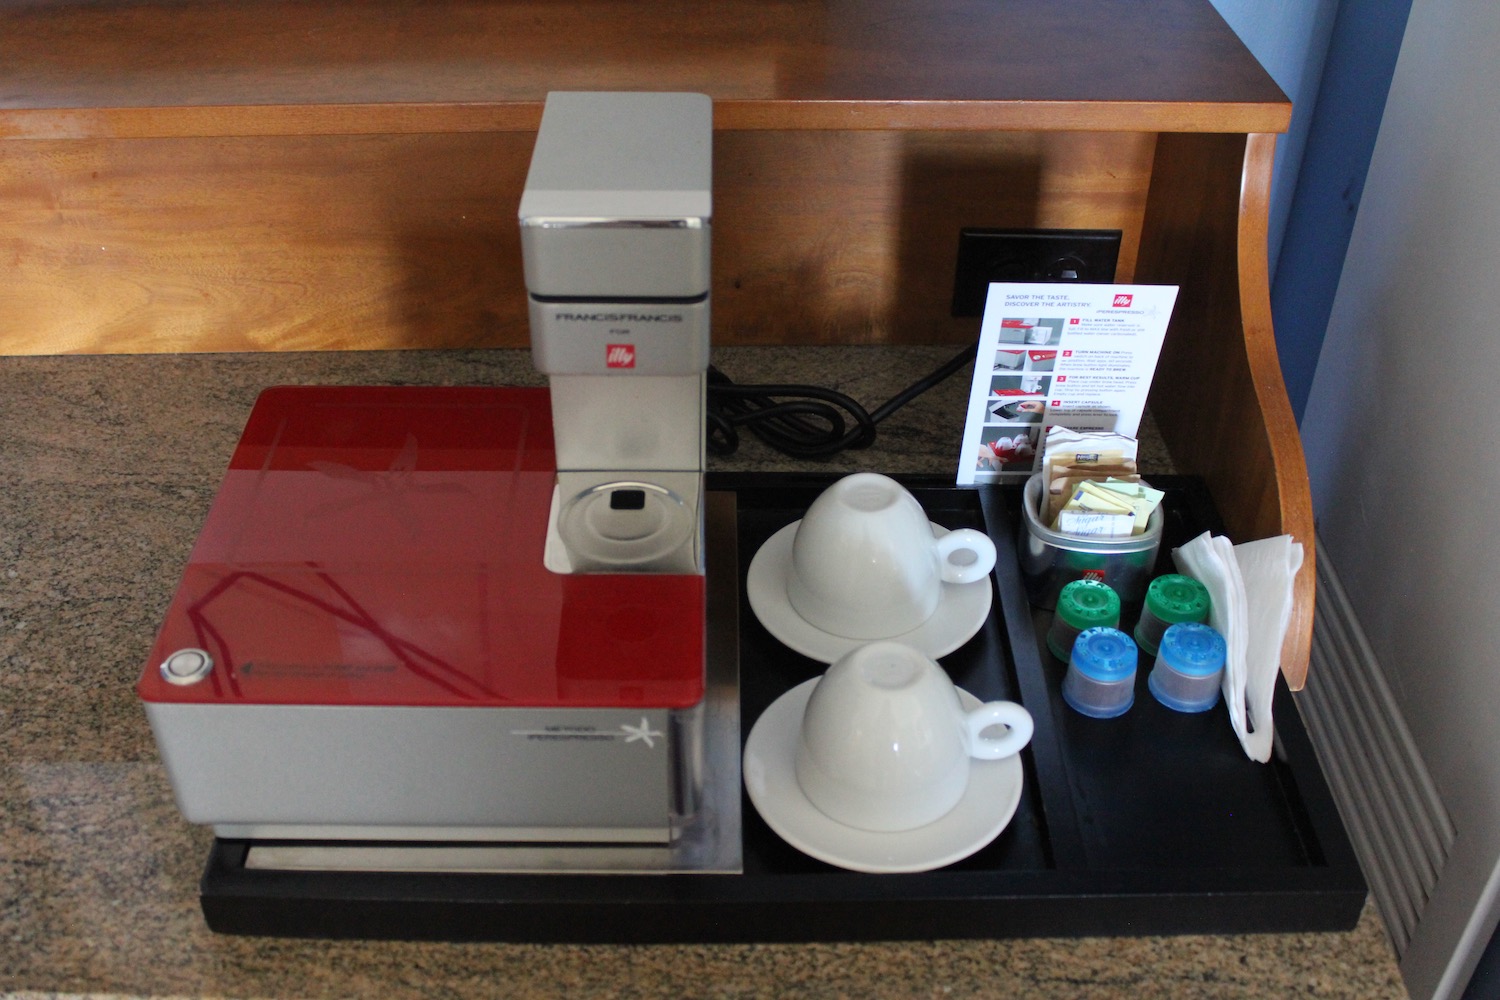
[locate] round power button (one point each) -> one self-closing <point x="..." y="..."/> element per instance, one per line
<point x="186" y="666"/>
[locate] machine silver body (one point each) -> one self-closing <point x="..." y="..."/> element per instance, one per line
<point x="615" y="243"/>
<point x="615" y="238"/>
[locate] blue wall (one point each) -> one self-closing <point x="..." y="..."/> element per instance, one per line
<point x="1343" y="123"/>
<point x="1334" y="59"/>
<point x="1290" y="38"/>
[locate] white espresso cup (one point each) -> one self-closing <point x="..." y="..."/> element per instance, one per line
<point x="866" y="564"/>
<point x="886" y="744"/>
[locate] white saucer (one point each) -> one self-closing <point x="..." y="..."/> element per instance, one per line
<point x="960" y="613"/>
<point x="771" y="778"/>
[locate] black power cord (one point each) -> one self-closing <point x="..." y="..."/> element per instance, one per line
<point x="805" y="421"/>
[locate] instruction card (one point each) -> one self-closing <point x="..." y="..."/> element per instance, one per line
<point x="1078" y="356"/>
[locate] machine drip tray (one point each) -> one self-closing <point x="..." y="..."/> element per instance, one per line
<point x="1152" y="823"/>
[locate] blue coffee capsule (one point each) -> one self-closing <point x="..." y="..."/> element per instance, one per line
<point x="1101" y="673"/>
<point x="1189" y="668"/>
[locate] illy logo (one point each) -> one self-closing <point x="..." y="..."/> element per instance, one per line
<point x="1123" y="300"/>
<point x="619" y="356"/>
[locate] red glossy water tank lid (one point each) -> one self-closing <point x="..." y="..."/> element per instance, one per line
<point x="383" y="546"/>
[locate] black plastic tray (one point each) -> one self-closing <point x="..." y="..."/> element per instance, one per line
<point x="1151" y="823"/>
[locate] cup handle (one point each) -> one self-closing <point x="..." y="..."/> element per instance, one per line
<point x="975" y="565"/>
<point x="1003" y="713"/>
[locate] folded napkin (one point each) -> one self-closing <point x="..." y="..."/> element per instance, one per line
<point x="1250" y="590"/>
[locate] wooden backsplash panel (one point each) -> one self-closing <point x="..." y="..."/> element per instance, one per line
<point x="391" y="241"/>
<point x="257" y="243"/>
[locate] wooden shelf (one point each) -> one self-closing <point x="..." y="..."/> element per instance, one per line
<point x="323" y="175"/>
<point x="283" y="67"/>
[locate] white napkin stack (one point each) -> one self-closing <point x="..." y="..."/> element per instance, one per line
<point x="1250" y="590"/>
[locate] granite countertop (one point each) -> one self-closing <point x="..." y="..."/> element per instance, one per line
<point x="107" y="469"/>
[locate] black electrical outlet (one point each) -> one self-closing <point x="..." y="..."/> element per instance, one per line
<point x="986" y="255"/>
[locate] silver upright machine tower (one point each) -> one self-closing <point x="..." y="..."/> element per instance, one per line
<point x="615" y="242"/>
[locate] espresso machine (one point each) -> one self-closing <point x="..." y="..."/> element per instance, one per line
<point x="615" y="246"/>
<point x="464" y="628"/>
